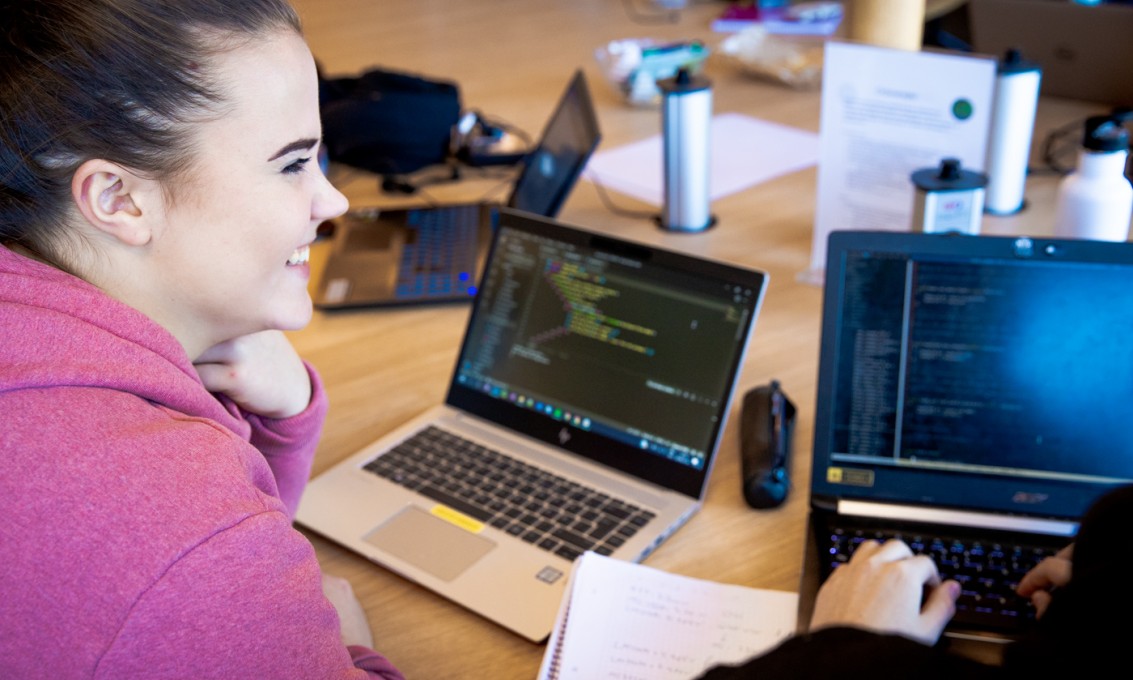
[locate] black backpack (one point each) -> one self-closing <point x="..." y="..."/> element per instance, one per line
<point x="387" y="122"/>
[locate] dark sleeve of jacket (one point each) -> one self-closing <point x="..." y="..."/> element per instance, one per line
<point x="849" y="653"/>
<point x="1086" y="631"/>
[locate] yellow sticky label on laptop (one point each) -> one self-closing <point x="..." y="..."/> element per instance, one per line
<point x="458" y="518"/>
<point x="850" y="476"/>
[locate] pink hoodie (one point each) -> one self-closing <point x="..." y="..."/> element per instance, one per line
<point x="145" y="524"/>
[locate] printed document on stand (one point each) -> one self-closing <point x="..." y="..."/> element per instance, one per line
<point x="885" y="114"/>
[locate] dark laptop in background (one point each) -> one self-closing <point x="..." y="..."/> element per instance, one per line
<point x="1085" y="51"/>
<point x="436" y="253"/>
<point x="974" y="397"/>
<point x="584" y="413"/>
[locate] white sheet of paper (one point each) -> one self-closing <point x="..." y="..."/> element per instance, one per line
<point x="625" y="620"/>
<point x="745" y="151"/>
<point x="885" y="114"/>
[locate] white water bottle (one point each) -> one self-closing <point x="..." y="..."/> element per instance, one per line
<point x="1017" y="84"/>
<point x="1096" y="200"/>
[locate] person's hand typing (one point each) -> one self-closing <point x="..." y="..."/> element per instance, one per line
<point x="261" y="372"/>
<point x="1039" y="583"/>
<point x="887" y="589"/>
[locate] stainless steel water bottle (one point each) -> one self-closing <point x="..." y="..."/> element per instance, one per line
<point x="686" y="133"/>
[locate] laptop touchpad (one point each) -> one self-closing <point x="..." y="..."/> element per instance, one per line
<point x="429" y="542"/>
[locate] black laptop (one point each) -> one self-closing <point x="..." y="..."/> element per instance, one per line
<point x="436" y="253"/>
<point x="974" y="397"/>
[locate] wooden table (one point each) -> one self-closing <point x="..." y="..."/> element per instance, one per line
<point x="511" y="59"/>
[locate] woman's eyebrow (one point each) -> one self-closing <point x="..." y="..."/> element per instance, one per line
<point x="298" y="145"/>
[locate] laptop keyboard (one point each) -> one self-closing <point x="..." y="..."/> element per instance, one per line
<point x="987" y="571"/>
<point x="544" y="509"/>
<point x="440" y="259"/>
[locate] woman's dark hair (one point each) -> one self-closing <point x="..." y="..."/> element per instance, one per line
<point x="120" y="80"/>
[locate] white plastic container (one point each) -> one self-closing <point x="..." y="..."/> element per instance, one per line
<point x="948" y="199"/>
<point x="1096" y="200"/>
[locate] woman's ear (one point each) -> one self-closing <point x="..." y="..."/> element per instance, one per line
<point x="115" y="201"/>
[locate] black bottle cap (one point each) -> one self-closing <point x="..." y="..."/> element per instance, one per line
<point x="1013" y="63"/>
<point x="949" y="176"/>
<point x="1105" y="133"/>
<point x="949" y="169"/>
<point x="683" y="82"/>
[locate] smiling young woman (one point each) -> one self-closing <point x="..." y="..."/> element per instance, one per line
<point x="158" y="192"/>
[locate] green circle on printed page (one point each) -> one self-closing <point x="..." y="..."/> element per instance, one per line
<point x="962" y="109"/>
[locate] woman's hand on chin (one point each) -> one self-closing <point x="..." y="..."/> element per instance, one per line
<point x="261" y="372"/>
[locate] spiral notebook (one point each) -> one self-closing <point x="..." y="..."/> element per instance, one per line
<point x="622" y="619"/>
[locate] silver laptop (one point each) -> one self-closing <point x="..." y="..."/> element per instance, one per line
<point x="974" y="399"/>
<point x="436" y="253"/>
<point x="584" y="413"/>
<point x="1086" y="52"/>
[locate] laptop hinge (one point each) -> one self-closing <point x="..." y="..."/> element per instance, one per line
<point x="957" y="517"/>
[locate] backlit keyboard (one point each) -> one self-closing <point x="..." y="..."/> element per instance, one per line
<point x="439" y="259"/>
<point x="988" y="572"/>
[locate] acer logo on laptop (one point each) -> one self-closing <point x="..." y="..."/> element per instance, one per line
<point x="1029" y="498"/>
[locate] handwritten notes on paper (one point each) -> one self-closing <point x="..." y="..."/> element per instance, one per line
<point x="626" y="621"/>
